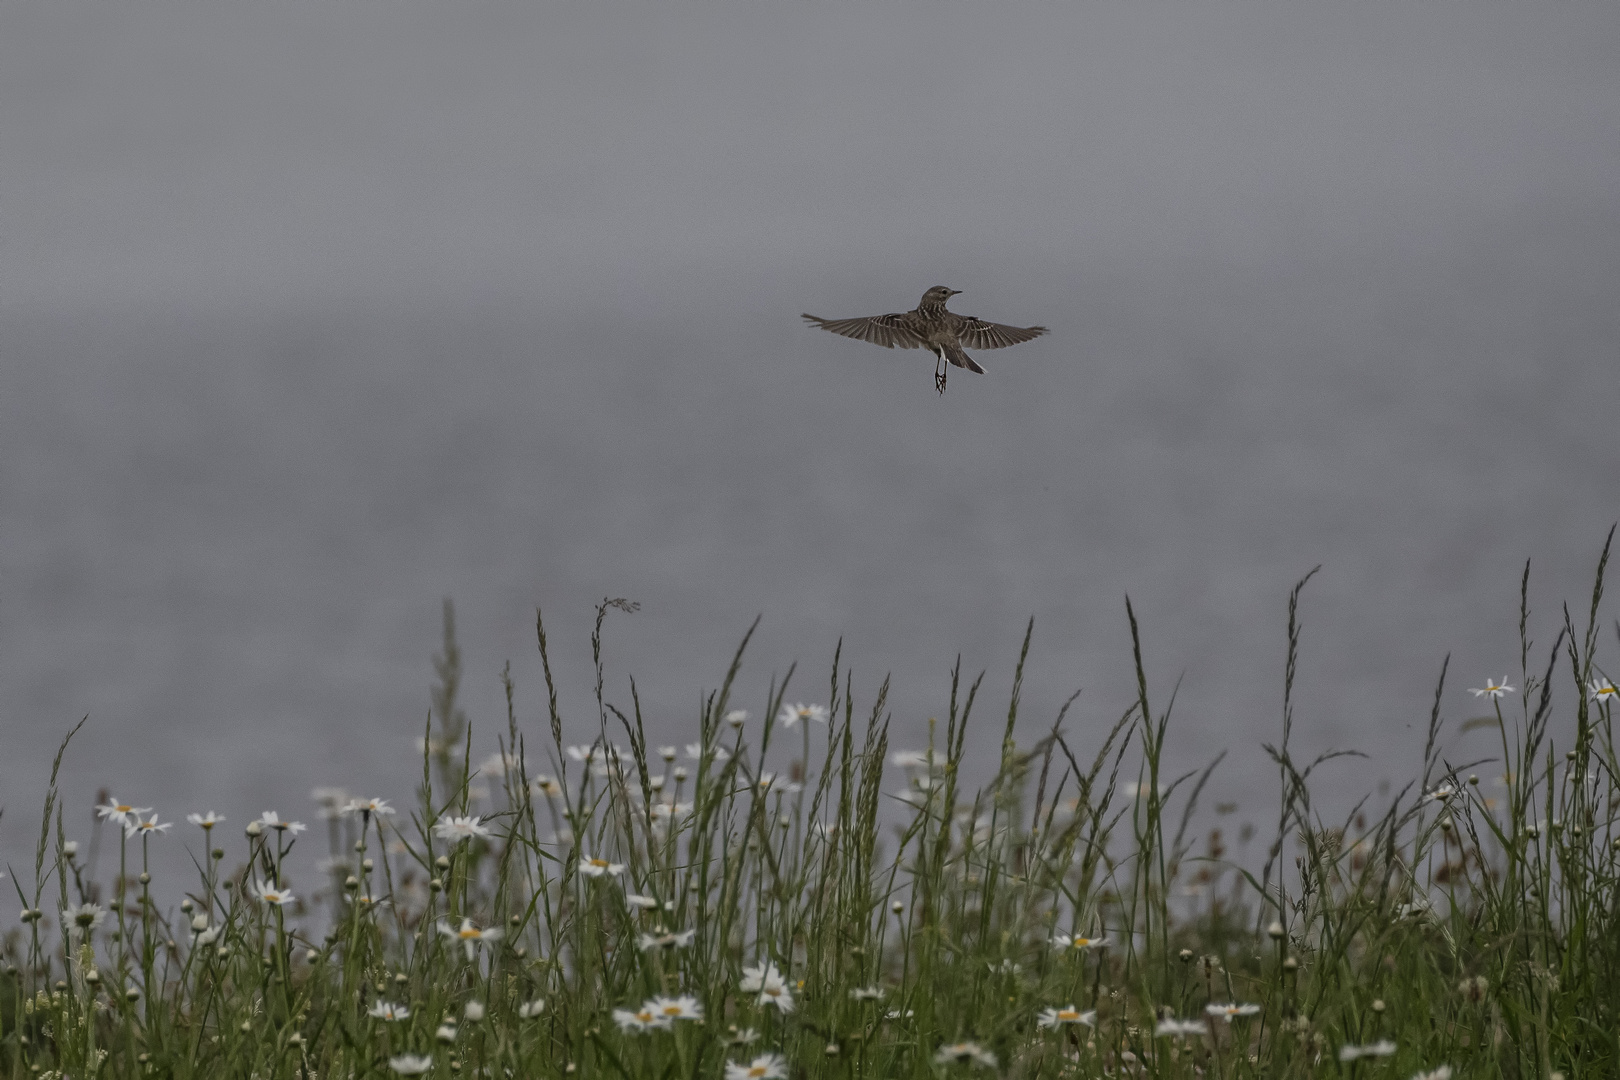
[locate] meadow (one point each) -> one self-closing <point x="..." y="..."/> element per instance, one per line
<point x="788" y="895"/>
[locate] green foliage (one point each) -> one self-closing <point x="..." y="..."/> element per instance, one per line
<point x="563" y="918"/>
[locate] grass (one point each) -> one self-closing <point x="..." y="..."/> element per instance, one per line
<point x="623" y="910"/>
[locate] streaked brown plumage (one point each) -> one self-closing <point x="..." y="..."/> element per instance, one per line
<point x="943" y="333"/>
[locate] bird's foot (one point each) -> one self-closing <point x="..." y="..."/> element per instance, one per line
<point x="939" y="381"/>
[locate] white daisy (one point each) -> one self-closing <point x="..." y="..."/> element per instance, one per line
<point x="1053" y="1018"/>
<point x="967" y="1053"/>
<point x="146" y="828"/>
<point x="792" y="714"/>
<point x="271" y="893"/>
<point x="1493" y="688"/>
<point x="1227" y="1012"/>
<point x="591" y="866"/>
<point x="1181" y="1028"/>
<point x="1381" y="1048"/>
<point x="867" y="993"/>
<point x="913" y="759"/>
<point x="531" y="1009"/>
<point x="120" y="812"/>
<point x="458" y="829"/>
<point x="671" y="1009"/>
<point x="270" y="820"/>
<point x="642" y="1019"/>
<point x="678" y="940"/>
<point x="85" y="916"/>
<point x="469" y="935"/>
<point x="764" y="1067"/>
<point x="696" y="752"/>
<point x="768" y="983"/>
<point x="377" y="807"/>
<point x="205" y="821"/>
<point x="1603" y="691"/>
<point x="1064" y="941"/>
<point x="387" y="1010"/>
<point x="410" y="1064"/>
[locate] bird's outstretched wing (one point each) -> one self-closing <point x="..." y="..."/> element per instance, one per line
<point x="978" y="334"/>
<point x="889" y="331"/>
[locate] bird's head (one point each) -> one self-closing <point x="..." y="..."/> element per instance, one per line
<point x="939" y="294"/>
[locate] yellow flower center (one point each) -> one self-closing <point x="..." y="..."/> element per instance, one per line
<point x="1068" y="1014"/>
<point x="756" y="1070"/>
<point x="471" y="933"/>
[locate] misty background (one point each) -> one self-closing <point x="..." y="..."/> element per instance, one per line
<point x="314" y="315"/>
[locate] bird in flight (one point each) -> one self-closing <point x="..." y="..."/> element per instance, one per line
<point x="932" y="327"/>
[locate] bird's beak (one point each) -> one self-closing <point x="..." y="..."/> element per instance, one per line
<point x="954" y="292"/>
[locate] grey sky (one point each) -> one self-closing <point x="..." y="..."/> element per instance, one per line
<point x="313" y="314"/>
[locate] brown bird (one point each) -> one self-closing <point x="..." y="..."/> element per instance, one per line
<point x="932" y="327"/>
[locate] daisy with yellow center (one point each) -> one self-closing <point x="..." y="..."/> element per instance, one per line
<point x="671" y="1009"/>
<point x="766" y="981"/>
<point x="638" y="1020"/>
<point x="120" y="812"/>
<point x="1064" y="941"/>
<point x="271" y="893"/>
<point x="469" y="935"/>
<point x="146" y="828"/>
<point x="792" y="714"/>
<point x="1229" y="1011"/>
<point x="764" y="1067"/>
<point x="591" y="866"/>
<point x="1493" y="688"/>
<point x="1053" y="1018"/>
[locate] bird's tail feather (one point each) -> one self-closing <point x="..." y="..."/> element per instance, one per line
<point x="958" y="358"/>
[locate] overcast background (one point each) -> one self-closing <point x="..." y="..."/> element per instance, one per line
<point x="312" y="315"/>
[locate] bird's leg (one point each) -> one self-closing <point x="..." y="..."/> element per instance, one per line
<point x="940" y="371"/>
